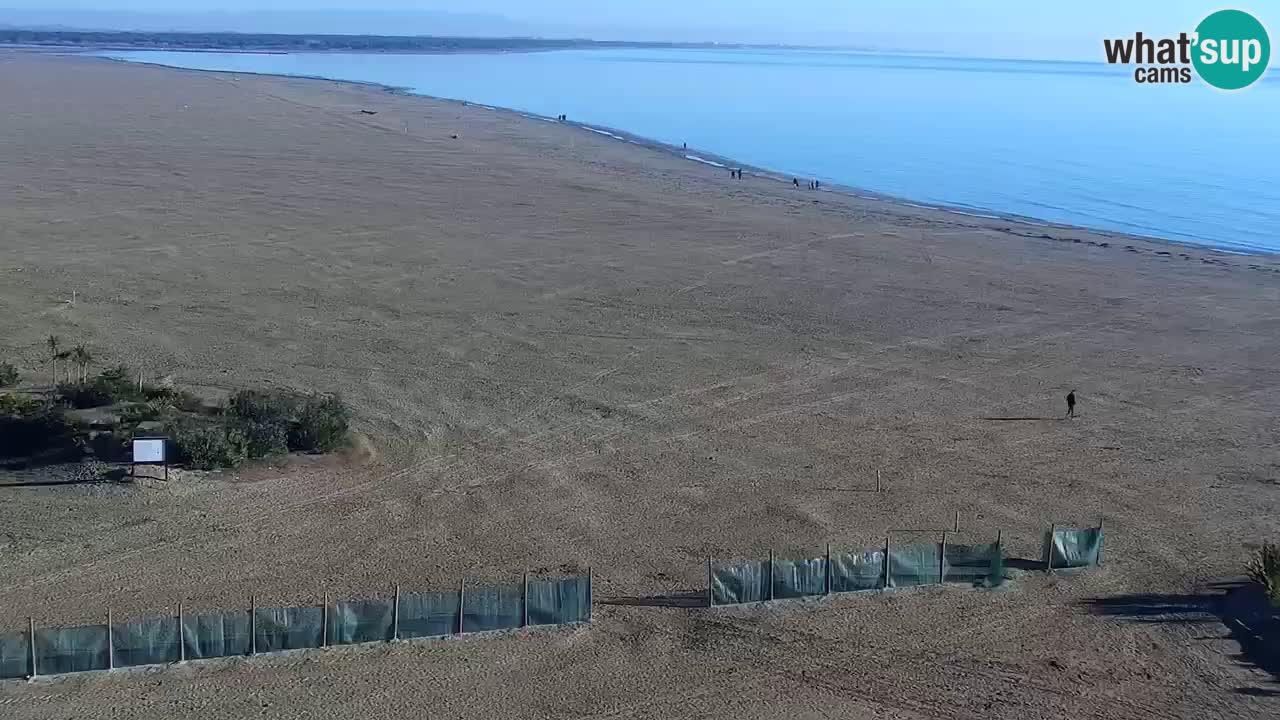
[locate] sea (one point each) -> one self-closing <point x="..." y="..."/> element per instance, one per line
<point x="1077" y="143"/>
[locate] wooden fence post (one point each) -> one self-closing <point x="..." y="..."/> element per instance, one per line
<point x="827" y="588"/>
<point x="711" y="595"/>
<point x="1048" y="548"/>
<point x="524" y="605"/>
<point x="887" y="561"/>
<point x="182" y="636"/>
<point x="942" y="559"/>
<point x="878" y="486"/>
<point x="591" y="591"/>
<point x="324" y="620"/>
<point x="32" y="643"/>
<point x="462" y="601"/>
<point x="395" y="616"/>
<point x="253" y="625"/>
<point x="956" y="529"/>
<point x="111" y="644"/>
<point x="770" y="574"/>
<point x="1101" y="541"/>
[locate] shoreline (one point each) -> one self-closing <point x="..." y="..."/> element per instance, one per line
<point x="720" y="161"/>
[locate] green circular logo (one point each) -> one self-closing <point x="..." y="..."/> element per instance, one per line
<point x="1232" y="49"/>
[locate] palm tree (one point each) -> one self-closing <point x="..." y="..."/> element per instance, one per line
<point x="65" y="356"/>
<point x="82" y="357"/>
<point x="53" y="355"/>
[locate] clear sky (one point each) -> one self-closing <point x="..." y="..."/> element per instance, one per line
<point x="1006" y="28"/>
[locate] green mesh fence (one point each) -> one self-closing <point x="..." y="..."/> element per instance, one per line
<point x="289" y="628"/>
<point x="492" y="608"/>
<point x="854" y="572"/>
<point x="15" y="656"/>
<point x="557" y="602"/>
<point x="73" y="649"/>
<point x="974" y="564"/>
<point x="216" y="635"/>
<point x="352" y="623"/>
<point x="737" y="584"/>
<point x="799" y="578"/>
<point x="1070" y="548"/>
<point x="147" y="642"/>
<point x="428" y="614"/>
<point x="913" y="565"/>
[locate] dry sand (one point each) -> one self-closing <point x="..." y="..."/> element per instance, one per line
<point x="573" y="352"/>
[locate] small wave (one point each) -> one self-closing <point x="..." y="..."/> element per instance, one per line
<point x="704" y="161"/>
<point x="602" y="132"/>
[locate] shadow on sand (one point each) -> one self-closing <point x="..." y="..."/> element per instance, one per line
<point x="1241" y="607"/>
<point x="683" y="600"/>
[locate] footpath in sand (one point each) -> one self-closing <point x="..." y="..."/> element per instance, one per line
<point x="573" y="352"/>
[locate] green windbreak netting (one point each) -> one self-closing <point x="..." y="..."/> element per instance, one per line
<point x="148" y="642"/>
<point x="429" y="614"/>
<point x="73" y="649"/>
<point x="743" y="583"/>
<point x="1074" y="548"/>
<point x="15" y="656"/>
<point x="975" y="564"/>
<point x="214" y="636"/>
<point x="851" y="572"/>
<point x="493" y="608"/>
<point x="289" y="628"/>
<point x="798" y="578"/>
<point x="554" y="602"/>
<point x="912" y="565"/>
<point x="361" y="622"/>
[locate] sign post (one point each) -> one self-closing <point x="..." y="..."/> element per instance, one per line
<point x="150" y="451"/>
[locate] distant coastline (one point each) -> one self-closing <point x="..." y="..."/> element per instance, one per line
<point x="282" y="43"/>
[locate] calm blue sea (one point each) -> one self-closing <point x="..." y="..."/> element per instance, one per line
<point x="1076" y="143"/>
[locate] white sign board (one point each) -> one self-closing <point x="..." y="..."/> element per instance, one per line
<point x="148" y="451"/>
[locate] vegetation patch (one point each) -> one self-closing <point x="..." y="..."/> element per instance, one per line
<point x="96" y="415"/>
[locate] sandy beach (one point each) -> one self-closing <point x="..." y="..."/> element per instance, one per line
<point x="569" y="352"/>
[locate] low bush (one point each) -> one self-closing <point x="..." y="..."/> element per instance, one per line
<point x="1264" y="569"/>
<point x="324" y="424"/>
<point x="37" y="433"/>
<point x="109" y="387"/>
<point x="264" y="419"/>
<point x="207" y="445"/>
<point x="8" y="375"/>
<point x="11" y="404"/>
<point x="119" y="383"/>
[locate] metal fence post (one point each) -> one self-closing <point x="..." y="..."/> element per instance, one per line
<point x="887" y="562"/>
<point x="182" y="636"/>
<point x="524" y="604"/>
<point x="827" y="580"/>
<point x="324" y="620"/>
<point x="591" y="591"/>
<point x="462" y="601"/>
<point x="771" y="574"/>
<point x="1048" y="548"/>
<point x="395" y="616"/>
<point x="111" y="644"/>
<point x="32" y="642"/>
<point x="942" y="559"/>
<point x="253" y="625"/>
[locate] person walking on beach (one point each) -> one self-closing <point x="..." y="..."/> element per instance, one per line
<point x="795" y="181"/>
<point x="1071" y="404"/>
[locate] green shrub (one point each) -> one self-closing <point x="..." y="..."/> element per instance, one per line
<point x="38" y="433"/>
<point x="119" y="383"/>
<point x="207" y="445"/>
<point x="8" y="375"/>
<point x="264" y="419"/>
<point x="11" y="404"/>
<point x="323" y="425"/>
<point x="171" y="397"/>
<point x="1264" y="569"/>
<point x="110" y="446"/>
<point x="83" y="395"/>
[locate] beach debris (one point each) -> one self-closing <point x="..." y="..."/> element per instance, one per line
<point x="454" y="136"/>
<point x="369" y="112"/>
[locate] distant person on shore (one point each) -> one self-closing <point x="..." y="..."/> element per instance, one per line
<point x="795" y="181"/>
<point x="1071" y="404"/>
<point x="817" y="184"/>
